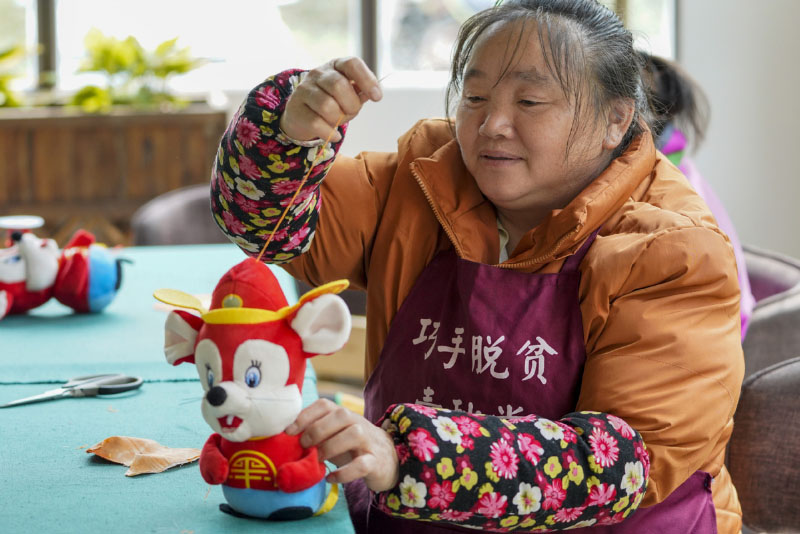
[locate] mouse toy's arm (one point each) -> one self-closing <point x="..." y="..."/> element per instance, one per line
<point x="6" y="301"/>
<point x="213" y="464"/>
<point x="301" y="474"/>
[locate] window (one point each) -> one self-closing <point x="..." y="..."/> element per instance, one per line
<point x="18" y="28"/>
<point x="418" y="35"/>
<point x="247" y="39"/>
<point x="653" y="24"/>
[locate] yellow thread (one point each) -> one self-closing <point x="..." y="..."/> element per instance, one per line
<point x="317" y="157"/>
<point x="303" y="181"/>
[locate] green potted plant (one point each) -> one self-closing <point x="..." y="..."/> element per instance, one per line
<point x="134" y="76"/>
<point x="114" y="146"/>
<point x="9" y="62"/>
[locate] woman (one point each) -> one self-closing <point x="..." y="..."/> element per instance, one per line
<point x="553" y="336"/>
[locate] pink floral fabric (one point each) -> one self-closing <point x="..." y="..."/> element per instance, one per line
<point x="514" y="474"/>
<point x="258" y="170"/>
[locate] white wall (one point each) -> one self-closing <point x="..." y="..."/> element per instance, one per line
<point x="745" y="54"/>
<point x="379" y="124"/>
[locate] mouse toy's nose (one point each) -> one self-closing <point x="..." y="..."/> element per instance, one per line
<point x="216" y="396"/>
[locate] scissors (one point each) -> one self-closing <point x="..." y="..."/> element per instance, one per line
<point x="85" y="386"/>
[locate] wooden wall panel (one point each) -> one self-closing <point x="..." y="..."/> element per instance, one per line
<point x="52" y="149"/>
<point x="7" y="171"/>
<point x="15" y="161"/>
<point x="95" y="170"/>
<point x="173" y="159"/>
<point x="97" y="164"/>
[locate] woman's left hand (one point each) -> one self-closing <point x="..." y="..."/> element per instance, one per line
<point x="357" y="447"/>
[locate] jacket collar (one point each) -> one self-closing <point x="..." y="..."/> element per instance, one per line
<point x="470" y="220"/>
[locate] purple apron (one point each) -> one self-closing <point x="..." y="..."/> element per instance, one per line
<point x="490" y="340"/>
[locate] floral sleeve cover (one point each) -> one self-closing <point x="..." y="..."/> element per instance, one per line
<point x="258" y="169"/>
<point x="514" y="474"/>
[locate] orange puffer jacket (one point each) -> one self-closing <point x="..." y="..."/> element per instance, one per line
<point x="659" y="292"/>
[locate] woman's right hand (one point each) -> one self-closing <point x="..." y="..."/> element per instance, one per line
<point x="330" y="94"/>
<point x="357" y="447"/>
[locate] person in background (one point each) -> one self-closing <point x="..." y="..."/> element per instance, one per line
<point x="680" y="109"/>
<point x="553" y="336"/>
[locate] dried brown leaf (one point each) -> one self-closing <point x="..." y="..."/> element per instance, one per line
<point x="142" y="455"/>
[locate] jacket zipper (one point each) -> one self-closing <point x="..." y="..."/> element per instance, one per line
<point x="436" y="213"/>
<point x="542" y="257"/>
<point x="512" y="266"/>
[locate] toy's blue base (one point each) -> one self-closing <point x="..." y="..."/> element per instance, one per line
<point x="103" y="278"/>
<point x="271" y="504"/>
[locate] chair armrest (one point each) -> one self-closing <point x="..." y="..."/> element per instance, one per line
<point x="770" y="273"/>
<point x="178" y="217"/>
<point x="764" y="448"/>
<point x="773" y="334"/>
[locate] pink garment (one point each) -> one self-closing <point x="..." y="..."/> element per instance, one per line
<point x="677" y="143"/>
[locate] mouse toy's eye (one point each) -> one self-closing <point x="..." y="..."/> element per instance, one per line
<point x="208" y="363"/>
<point x="252" y="377"/>
<point x="261" y="364"/>
<point x="209" y="376"/>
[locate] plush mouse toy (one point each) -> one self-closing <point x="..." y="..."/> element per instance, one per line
<point x="250" y="350"/>
<point x="84" y="276"/>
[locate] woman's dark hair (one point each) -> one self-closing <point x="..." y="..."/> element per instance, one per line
<point x="585" y="47"/>
<point x="675" y="98"/>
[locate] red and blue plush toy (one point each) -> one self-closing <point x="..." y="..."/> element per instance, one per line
<point x="84" y="275"/>
<point x="250" y="351"/>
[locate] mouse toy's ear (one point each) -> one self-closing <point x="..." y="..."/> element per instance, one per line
<point x="182" y="327"/>
<point x="181" y="336"/>
<point x="323" y="323"/>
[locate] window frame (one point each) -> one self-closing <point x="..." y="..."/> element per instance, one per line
<point x="368" y="19"/>
<point x="46" y="35"/>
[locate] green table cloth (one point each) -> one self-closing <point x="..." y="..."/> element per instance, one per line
<point x="48" y="483"/>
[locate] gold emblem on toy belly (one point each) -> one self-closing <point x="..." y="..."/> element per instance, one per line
<point x="252" y="468"/>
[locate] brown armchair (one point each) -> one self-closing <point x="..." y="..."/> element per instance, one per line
<point x="764" y="448"/>
<point x="178" y="217"/>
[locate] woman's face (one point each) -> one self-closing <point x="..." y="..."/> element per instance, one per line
<point x="513" y="132"/>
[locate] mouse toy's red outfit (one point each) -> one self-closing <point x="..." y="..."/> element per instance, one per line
<point x="292" y="476"/>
